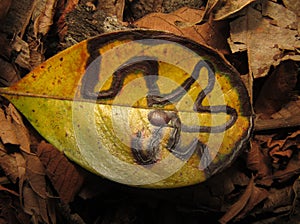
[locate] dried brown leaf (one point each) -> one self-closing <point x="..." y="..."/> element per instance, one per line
<point x="257" y="196"/>
<point x="45" y="19"/>
<point x="35" y="205"/>
<point x="18" y="17"/>
<point x="238" y="206"/>
<point x="293" y="5"/>
<point x="280" y="16"/>
<point x="292" y="170"/>
<point x="113" y="8"/>
<point x="289" y="110"/>
<point x="260" y="163"/>
<point x="277" y="200"/>
<point x="265" y="40"/>
<point x="34" y="193"/>
<point x="181" y="23"/>
<point x="22" y="48"/>
<point x="4" y="7"/>
<point x="278" y="89"/>
<point x="9" y="73"/>
<point x="231" y="7"/>
<point x="220" y="9"/>
<point x="9" y="164"/>
<point x="281" y="143"/>
<point x="35" y="174"/>
<point x="12" y="129"/>
<point x="66" y="179"/>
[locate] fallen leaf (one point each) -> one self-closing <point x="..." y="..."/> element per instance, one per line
<point x="11" y="212"/>
<point x="66" y="179"/>
<point x="22" y="48"/>
<point x="293" y="5"/>
<point x="13" y="24"/>
<point x="46" y="98"/>
<point x="280" y="16"/>
<point x="9" y="74"/>
<point x="113" y="8"/>
<point x="278" y="89"/>
<point x="250" y="198"/>
<point x="257" y="196"/>
<point x="138" y="9"/>
<point x="270" y="50"/>
<point x="291" y="170"/>
<point x="291" y="109"/>
<point x="35" y="205"/>
<point x="9" y="165"/>
<point x="34" y="194"/>
<point x="44" y="21"/>
<point x="12" y="129"/>
<point x="181" y="22"/>
<point x="278" y="200"/>
<point x="223" y="9"/>
<point x="259" y="163"/>
<point x="4" y="7"/>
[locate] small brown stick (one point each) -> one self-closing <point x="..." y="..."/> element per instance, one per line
<point x="269" y="124"/>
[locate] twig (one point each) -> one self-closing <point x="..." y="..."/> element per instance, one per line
<point x="269" y="124"/>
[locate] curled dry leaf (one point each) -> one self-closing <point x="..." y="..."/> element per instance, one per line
<point x="277" y="90"/>
<point x="181" y="22"/>
<point x="64" y="176"/>
<point x="252" y="196"/>
<point x="22" y="48"/>
<point x="274" y="37"/>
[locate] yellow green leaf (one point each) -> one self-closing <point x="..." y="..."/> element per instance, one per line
<point x="143" y="108"/>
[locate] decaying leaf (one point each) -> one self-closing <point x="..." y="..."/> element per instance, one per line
<point x="275" y="37"/>
<point x="35" y="195"/>
<point x="22" y="48"/>
<point x="12" y="129"/>
<point x="278" y="89"/>
<point x="259" y="162"/>
<point x="252" y="196"/>
<point x="181" y="22"/>
<point x="291" y="109"/>
<point x="8" y="74"/>
<point x="219" y="9"/>
<point x="64" y="176"/>
<point x="293" y="5"/>
<point x="4" y="7"/>
<point x="8" y="163"/>
<point x="113" y="8"/>
<point x="51" y="108"/>
<point x="13" y="24"/>
<point x="45" y="18"/>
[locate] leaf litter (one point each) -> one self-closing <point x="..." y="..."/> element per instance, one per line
<point x="267" y="31"/>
